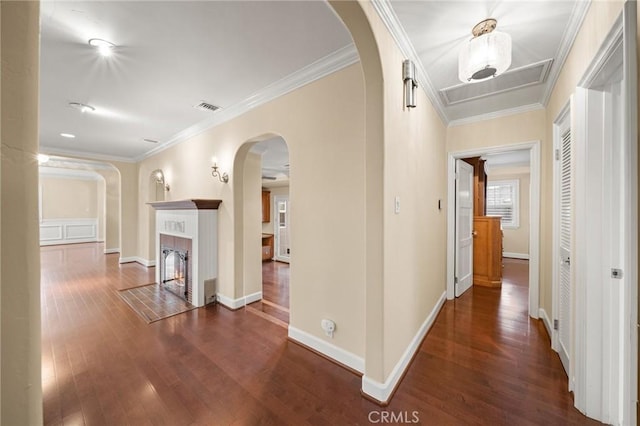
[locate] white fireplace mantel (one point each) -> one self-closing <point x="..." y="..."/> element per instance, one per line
<point x="196" y="220"/>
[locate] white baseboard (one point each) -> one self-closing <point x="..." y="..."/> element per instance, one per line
<point x="330" y="350"/>
<point x="510" y="255"/>
<point x="111" y="250"/>
<point x="240" y="302"/>
<point x="545" y="320"/>
<point x="144" y="262"/>
<point x="382" y="391"/>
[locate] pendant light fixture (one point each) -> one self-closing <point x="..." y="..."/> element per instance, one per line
<point x="486" y="55"/>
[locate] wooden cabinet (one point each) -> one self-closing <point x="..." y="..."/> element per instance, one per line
<point x="267" y="247"/>
<point x="487" y="251"/>
<point x="266" y="206"/>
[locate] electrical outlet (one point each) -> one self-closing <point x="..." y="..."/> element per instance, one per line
<point x="328" y="326"/>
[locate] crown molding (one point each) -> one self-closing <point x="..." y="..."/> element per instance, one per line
<point x="50" y="171"/>
<point x="84" y="155"/>
<point x="390" y="20"/>
<point x="331" y="63"/>
<point x="496" y="114"/>
<point x="578" y="14"/>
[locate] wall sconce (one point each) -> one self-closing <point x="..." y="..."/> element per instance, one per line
<point x="410" y="83"/>
<point x="224" y="177"/>
<point x="159" y="176"/>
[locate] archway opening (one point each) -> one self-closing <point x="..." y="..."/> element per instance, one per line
<point x="263" y="208"/>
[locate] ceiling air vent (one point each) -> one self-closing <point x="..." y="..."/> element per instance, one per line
<point x="206" y="106"/>
<point x="528" y="75"/>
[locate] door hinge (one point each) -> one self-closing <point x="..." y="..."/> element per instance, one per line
<point x="556" y="324"/>
<point x="616" y="273"/>
<point x="455" y="280"/>
<point x="557" y="154"/>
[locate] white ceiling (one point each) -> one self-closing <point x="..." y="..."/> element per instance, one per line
<point x="172" y="55"/>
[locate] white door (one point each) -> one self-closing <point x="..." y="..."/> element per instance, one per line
<point x="464" y="227"/>
<point x="282" y="210"/>
<point x="564" y="244"/>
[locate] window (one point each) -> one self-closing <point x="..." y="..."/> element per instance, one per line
<point x="502" y="200"/>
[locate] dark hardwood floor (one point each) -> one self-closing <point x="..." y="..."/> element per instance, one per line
<point x="274" y="305"/>
<point x="483" y="362"/>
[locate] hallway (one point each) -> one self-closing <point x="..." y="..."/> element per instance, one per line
<point x="483" y="362"/>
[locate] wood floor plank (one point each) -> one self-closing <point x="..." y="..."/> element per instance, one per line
<point x="483" y="362"/>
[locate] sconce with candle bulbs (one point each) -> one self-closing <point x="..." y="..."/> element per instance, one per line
<point x="159" y="177"/>
<point x="224" y="177"/>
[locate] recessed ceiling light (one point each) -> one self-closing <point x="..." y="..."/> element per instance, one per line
<point x="105" y="48"/>
<point x="67" y="135"/>
<point x="82" y="107"/>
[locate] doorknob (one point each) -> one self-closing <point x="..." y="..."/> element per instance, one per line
<point x="568" y="261"/>
<point x="474" y="233"/>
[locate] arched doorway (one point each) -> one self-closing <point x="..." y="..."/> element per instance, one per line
<point x="261" y="178"/>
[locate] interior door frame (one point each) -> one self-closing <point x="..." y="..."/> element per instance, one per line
<point x="534" y="216"/>
<point x="590" y="398"/>
<point x="558" y="127"/>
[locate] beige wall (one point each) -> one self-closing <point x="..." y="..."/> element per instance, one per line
<point x="252" y="216"/>
<point x="316" y="130"/>
<point x="20" y="354"/>
<point x="509" y="130"/>
<point x="69" y="198"/>
<point x="516" y="240"/>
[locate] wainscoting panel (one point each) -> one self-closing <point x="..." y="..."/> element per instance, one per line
<point x="68" y="231"/>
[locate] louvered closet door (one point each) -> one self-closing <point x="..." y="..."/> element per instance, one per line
<point x="564" y="325"/>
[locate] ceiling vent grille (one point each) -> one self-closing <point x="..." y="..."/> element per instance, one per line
<point x="206" y="106"/>
<point x="528" y="75"/>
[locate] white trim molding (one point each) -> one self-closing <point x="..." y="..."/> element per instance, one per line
<point x="339" y="355"/>
<point x="382" y="391"/>
<point x="68" y="231"/>
<point x="112" y="250"/>
<point x="511" y="255"/>
<point x="239" y="302"/>
<point x="144" y="262"/>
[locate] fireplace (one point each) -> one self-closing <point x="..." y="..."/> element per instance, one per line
<point x="187" y="248"/>
<point x="175" y="266"/>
